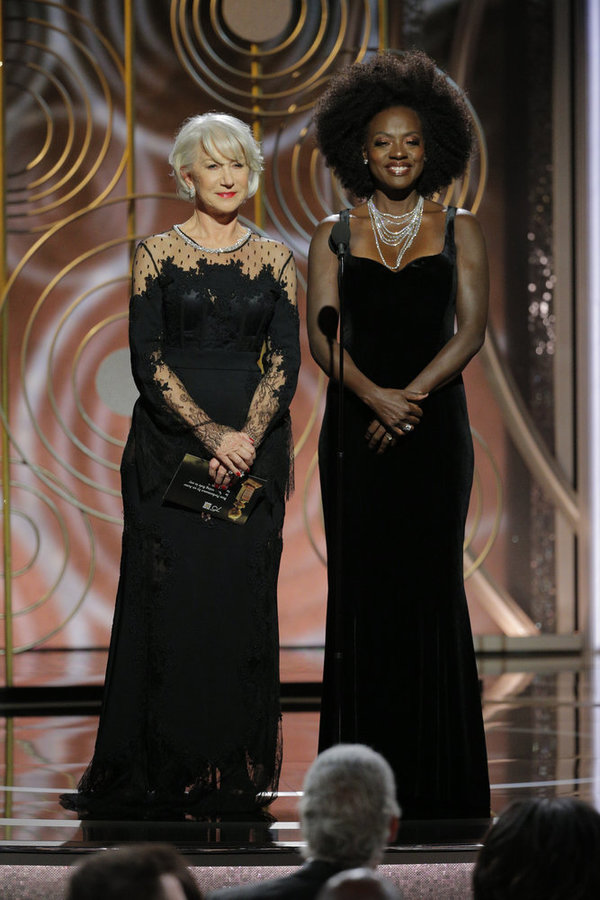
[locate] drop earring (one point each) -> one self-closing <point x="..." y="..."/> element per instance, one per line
<point x="191" y="191"/>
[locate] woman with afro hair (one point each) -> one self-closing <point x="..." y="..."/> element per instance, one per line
<point x="401" y="674"/>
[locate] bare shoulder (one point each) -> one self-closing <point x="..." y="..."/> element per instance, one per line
<point x="323" y="230"/>
<point x="467" y="228"/>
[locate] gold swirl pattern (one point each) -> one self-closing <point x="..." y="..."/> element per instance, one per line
<point x="276" y="77"/>
<point x="61" y="156"/>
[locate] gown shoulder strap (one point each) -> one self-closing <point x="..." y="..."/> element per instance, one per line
<point x="449" y="231"/>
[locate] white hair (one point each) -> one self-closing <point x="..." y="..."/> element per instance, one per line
<point x="348" y="802"/>
<point x="220" y="136"/>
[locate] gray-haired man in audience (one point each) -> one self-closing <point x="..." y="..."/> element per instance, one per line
<point x="348" y="814"/>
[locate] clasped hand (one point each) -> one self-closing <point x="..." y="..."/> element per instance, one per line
<point x="234" y="455"/>
<point x="398" y="412"/>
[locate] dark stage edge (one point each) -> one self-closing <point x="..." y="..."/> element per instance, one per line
<point x="245" y="843"/>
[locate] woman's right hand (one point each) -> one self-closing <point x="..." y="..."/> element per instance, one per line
<point x="235" y="452"/>
<point x="397" y="408"/>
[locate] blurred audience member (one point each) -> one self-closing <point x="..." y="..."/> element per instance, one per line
<point x="147" y="872"/>
<point x="541" y="849"/>
<point x="348" y="814"/>
<point x="359" y="884"/>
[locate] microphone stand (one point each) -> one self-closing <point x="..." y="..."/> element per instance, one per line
<point x="329" y="323"/>
<point x="339" y="531"/>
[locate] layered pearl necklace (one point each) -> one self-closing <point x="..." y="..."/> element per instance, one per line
<point x="395" y="231"/>
<point x="198" y="246"/>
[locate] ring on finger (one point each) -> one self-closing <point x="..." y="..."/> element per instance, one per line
<point x="407" y="427"/>
<point x="389" y="437"/>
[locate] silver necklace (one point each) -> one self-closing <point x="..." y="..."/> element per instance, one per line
<point x="198" y="246"/>
<point x="395" y="231"/>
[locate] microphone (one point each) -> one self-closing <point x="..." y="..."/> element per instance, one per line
<point x="327" y="321"/>
<point x="339" y="237"/>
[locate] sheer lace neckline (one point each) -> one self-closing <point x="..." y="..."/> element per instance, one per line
<point x="238" y="244"/>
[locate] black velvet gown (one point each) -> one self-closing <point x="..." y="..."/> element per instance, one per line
<point x="190" y="722"/>
<point x="409" y="685"/>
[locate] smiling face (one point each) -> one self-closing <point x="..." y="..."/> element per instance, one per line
<point x="221" y="184"/>
<point x="395" y="150"/>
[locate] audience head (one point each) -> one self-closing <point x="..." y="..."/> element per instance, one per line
<point x="147" y="872"/>
<point x="358" y="884"/>
<point x="541" y="849"/>
<point x="349" y="810"/>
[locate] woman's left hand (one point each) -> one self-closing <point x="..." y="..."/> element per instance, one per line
<point x="379" y="438"/>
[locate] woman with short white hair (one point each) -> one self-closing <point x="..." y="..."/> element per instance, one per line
<point x="191" y="721"/>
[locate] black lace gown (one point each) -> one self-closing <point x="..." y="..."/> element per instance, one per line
<point x="409" y="685"/>
<point x="190" y="722"/>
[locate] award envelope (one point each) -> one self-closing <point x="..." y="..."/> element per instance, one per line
<point x="193" y="488"/>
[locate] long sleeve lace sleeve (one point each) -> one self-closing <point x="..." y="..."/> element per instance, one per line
<point x="280" y="361"/>
<point x="162" y="392"/>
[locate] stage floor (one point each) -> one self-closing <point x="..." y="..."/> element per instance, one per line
<point x="542" y="726"/>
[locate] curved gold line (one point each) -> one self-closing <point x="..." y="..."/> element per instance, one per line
<point x="66" y="542"/>
<point x="296" y="178"/>
<point x="45" y="109"/>
<point x="364" y="44"/>
<point x="463" y="187"/>
<point x="103" y="150"/>
<point x="499" y="604"/>
<point x="68" y="143"/>
<point x="307" y="527"/>
<point x="299" y="446"/>
<point x="219" y="31"/>
<point x="483" y="163"/>
<point x="72" y="264"/>
<point x="543" y="467"/>
<point x="109" y="320"/>
<point x="88" y="24"/>
<point x="280" y="194"/>
<point x="51" y="230"/>
<point x="499" y="506"/>
<point x="280" y="73"/>
<point x="280" y="227"/>
<point x="315" y="165"/>
<point x="76" y="608"/>
<point x="476" y="516"/>
<point x="75" y="166"/>
<point x="16" y="573"/>
<point x="252" y="107"/>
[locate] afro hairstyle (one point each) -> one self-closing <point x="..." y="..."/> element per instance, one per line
<point x="360" y="91"/>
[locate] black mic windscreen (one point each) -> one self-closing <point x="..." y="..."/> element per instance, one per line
<point x="327" y="321"/>
<point x="339" y="237"/>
